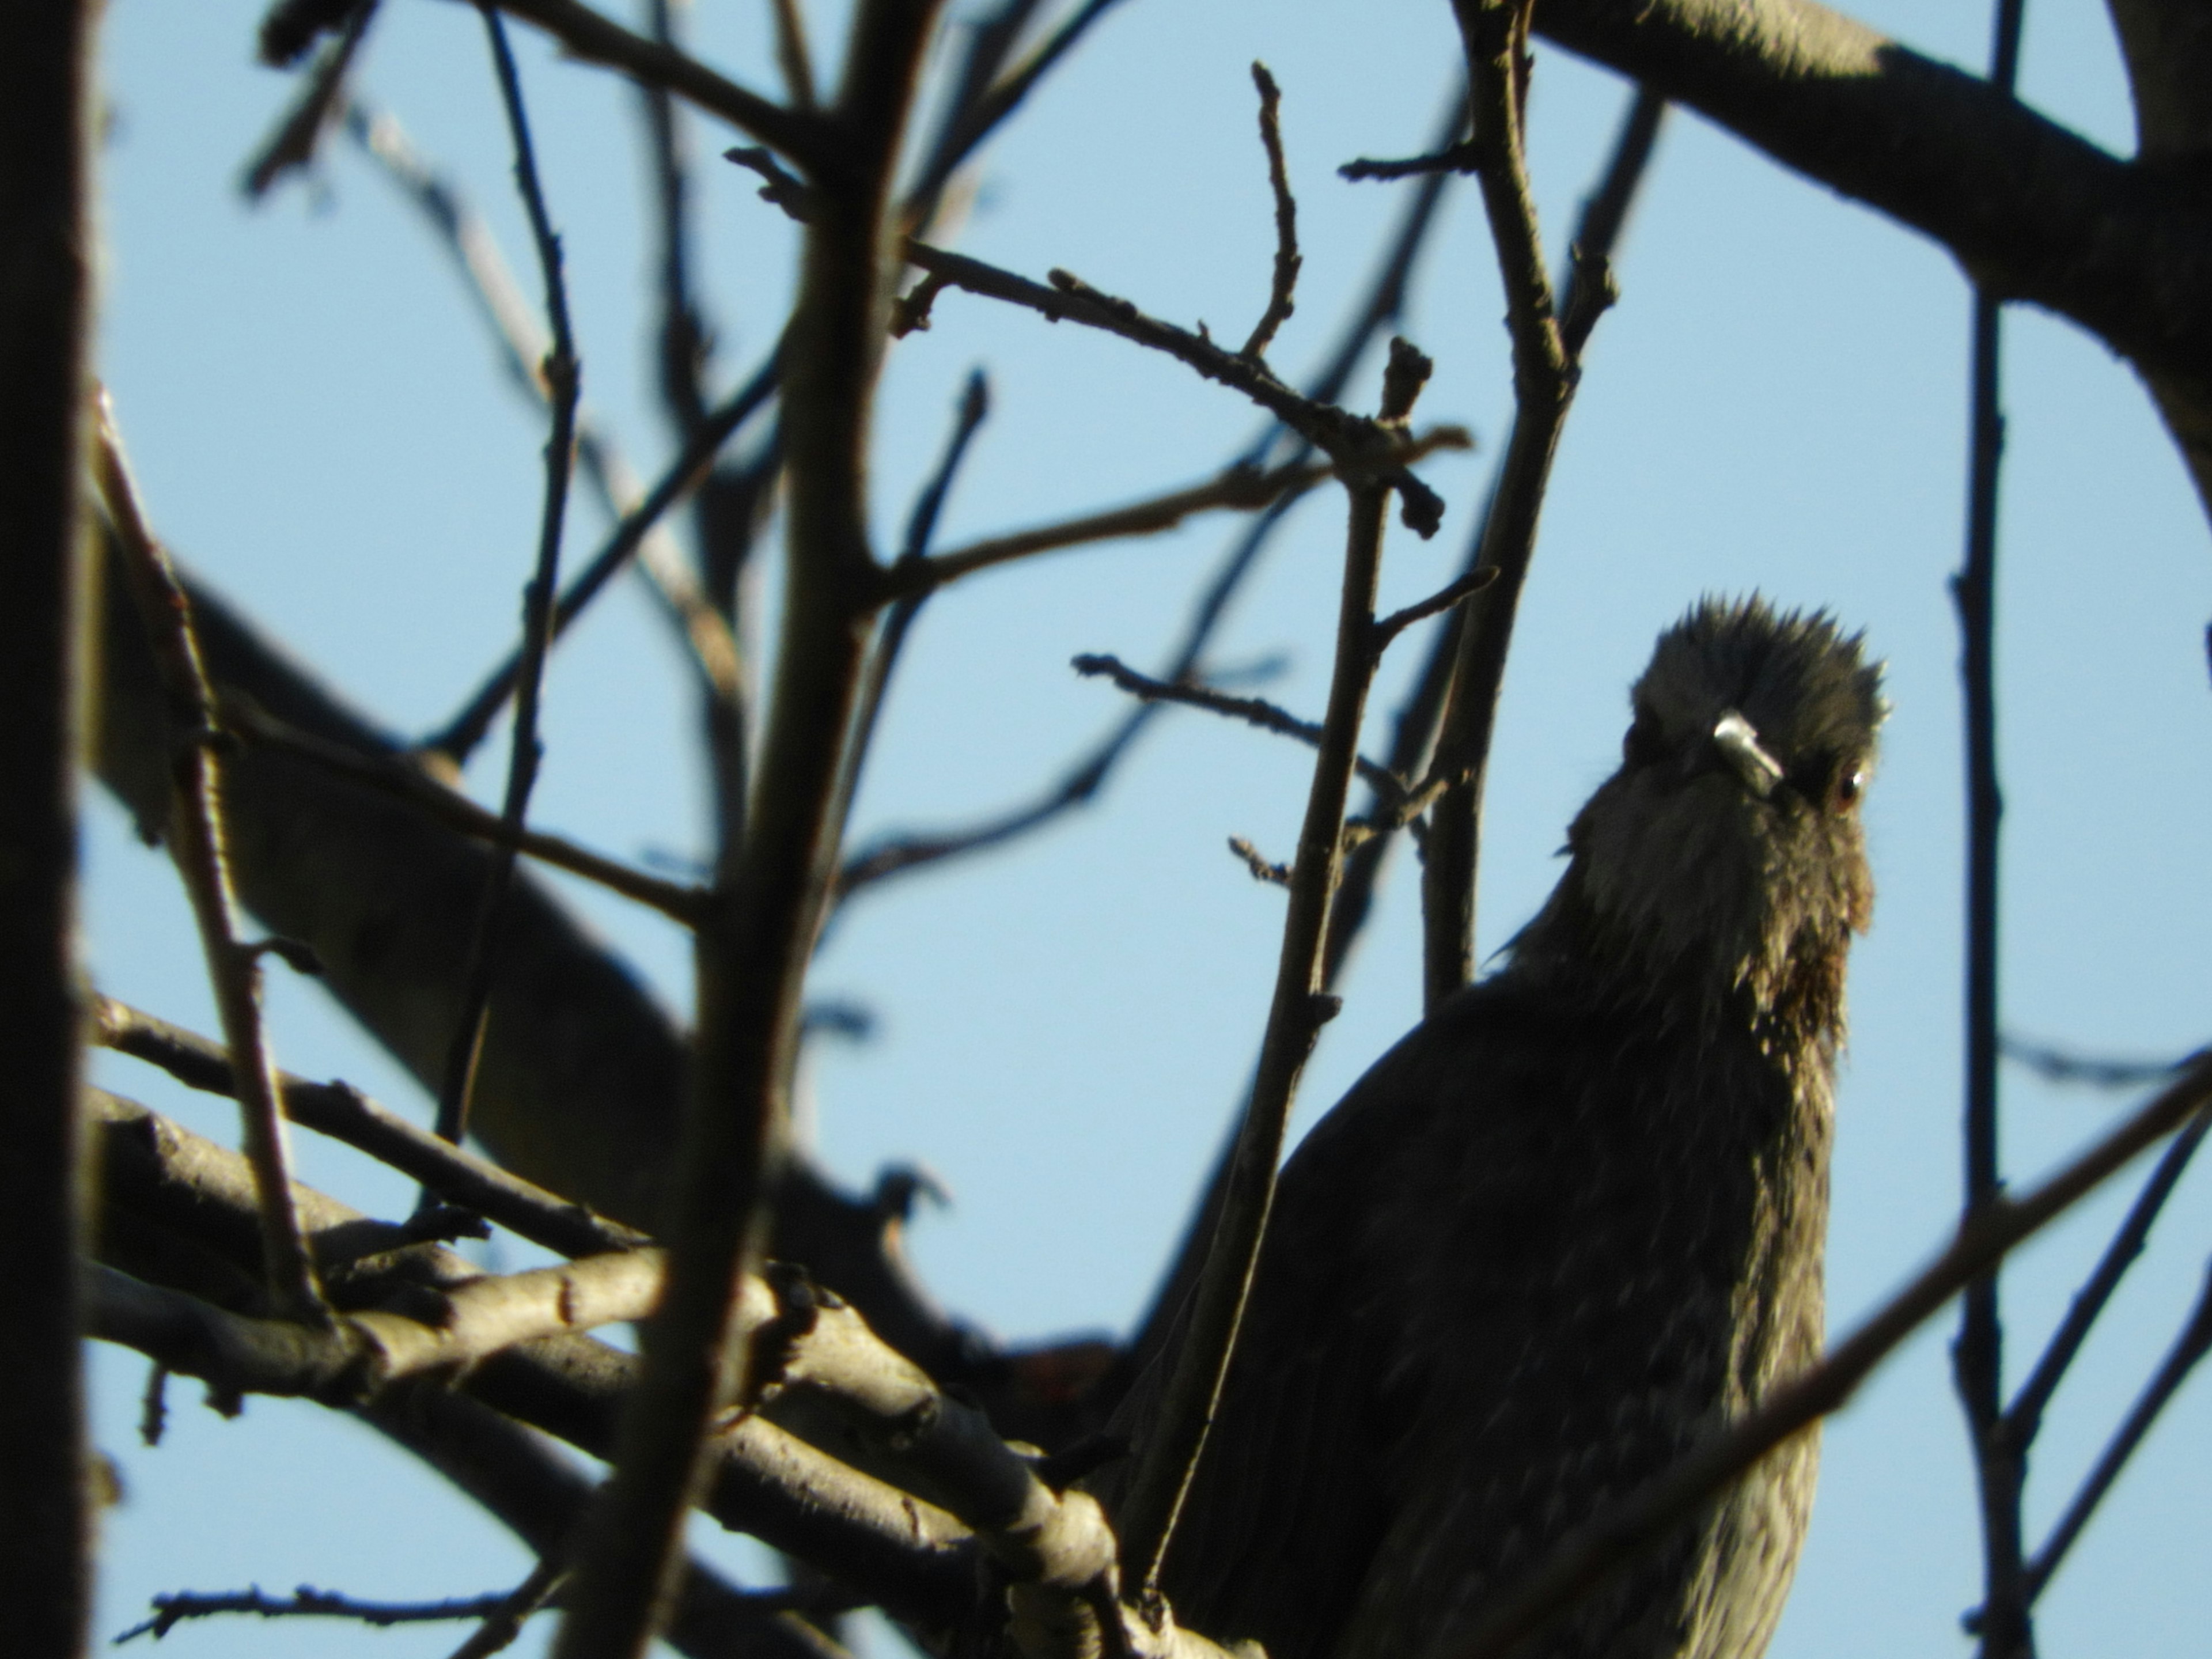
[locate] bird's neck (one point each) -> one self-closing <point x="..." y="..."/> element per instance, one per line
<point x="1788" y="998"/>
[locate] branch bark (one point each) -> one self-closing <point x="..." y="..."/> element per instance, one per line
<point x="753" y="944"/>
<point x="46" y="608"/>
<point x="582" y="1071"/>
<point x="2032" y="211"/>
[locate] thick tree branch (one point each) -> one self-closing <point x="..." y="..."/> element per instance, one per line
<point x="752" y="947"/>
<point x="1544" y="374"/>
<point x="47" y="608"/>
<point x="180" y="1208"/>
<point x="2031" y="211"/>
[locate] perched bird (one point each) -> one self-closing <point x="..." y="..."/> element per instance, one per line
<point x="1574" y="1221"/>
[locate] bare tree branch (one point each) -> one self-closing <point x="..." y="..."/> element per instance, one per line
<point x="1253" y="711"/>
<point x="1359" y="446"/>
<point x="292" y="146"/>
<point x="1544" y="376"/>
<point x="1379" y="306"/>
<point x="404" y="781"/>
<point x="514" y="1473"/>
<point x="1282" y="289"/>
<point x="198" y="843"/>
<point x="985" y="99"/>
<point x="754" y="943"/>
<point x="1977" y="1357"/>
<point x="2057" y="1065"/>
<point x="309" y="1603"/>
<point x="1240" y="486"/>
<point x="466" y="729"/>
<point x="904" y="1554"/>
<point x="596" y="39"/>
<point x="343" y="1113"/>
<point x="2025" y="1415"/>
<point x="1176" y="1436"/>
<point x="2190" y="1347"/>
<point x="974" y="408"/>
<point x="562" y="377"/>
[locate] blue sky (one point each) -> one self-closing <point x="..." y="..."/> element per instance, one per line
<point x="1777" y="403"/>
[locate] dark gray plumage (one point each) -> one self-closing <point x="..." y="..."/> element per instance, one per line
<point x="1575" y="1221"/>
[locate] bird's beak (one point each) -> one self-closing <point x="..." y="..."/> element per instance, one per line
<point x="1737" y="740"/>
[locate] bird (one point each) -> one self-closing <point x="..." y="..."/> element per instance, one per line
<point x="1575" y="1221"/>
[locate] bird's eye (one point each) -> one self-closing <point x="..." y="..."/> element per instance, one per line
<point x="1644" y="744"/>
<point x="1829" y="780"/>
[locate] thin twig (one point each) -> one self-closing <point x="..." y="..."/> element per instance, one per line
<point x="1240" y="487"/>
<point x="153" y="1406"/>
<point x="1263" y="868"/>
<point x="1584" y="1560"/>
<point x="1283" y="289"/>
<point x="293" y="144"/>
<point x="2025" y="1415"/>
<point x="985" y="100"/>
<point x="503" y="1623"/>
<point x="1381" y="304"/>
<point x="1588" y="291"/>
<point x="722" y="514"/>
<point x="343" y="1113"/>
<point x="1299" y="1010"/>
<point x="799" y="134"/>
<point x="677" y="901"/>
<point x="2188" y="1347"/>
<point x="683" y="336"/>
<point x="307" y="1602"/>
<point x="1253" y="711"/>
<point x="1977" y="1357"/>
<point x="460" y="735"/>
<point x="1462" y="586"/>
<point x="562" y="379"/>
<point x="1459" y="158"/>
<point x="974" y="408"/>
<point x="196" y="840"/>
<point x="2055" y="1065"/>
<point x="794" y="60"/>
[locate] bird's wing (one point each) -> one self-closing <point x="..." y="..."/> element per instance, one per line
<point x="1308" y="1459"/>
<point x="1288" y="1502"/>
<point x="1572" y="1235"/>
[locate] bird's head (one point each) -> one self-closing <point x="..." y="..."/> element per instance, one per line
<point x="1726" y="855"/>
